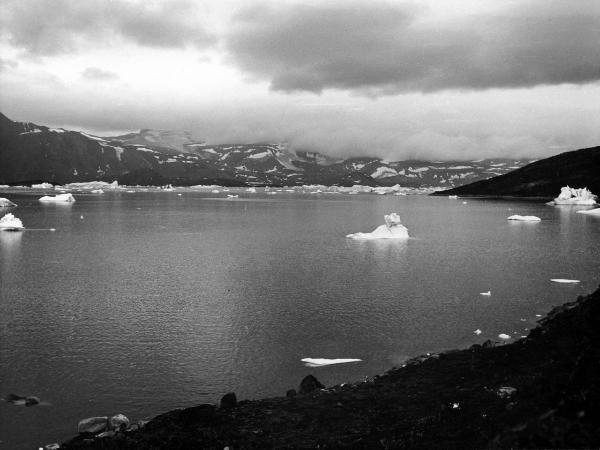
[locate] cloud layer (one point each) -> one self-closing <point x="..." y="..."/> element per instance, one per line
<point x="384" y="48"/>
<point x="53" y="27"/>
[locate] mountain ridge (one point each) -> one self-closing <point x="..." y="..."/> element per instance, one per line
<point x="31" y="153"/>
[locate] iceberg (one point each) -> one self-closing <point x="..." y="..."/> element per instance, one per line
<point x="318" y="362"/>
<point x="6" y="203"/>
<point x="393" y="229"/>
<point x="97" y="191"/>
<point x="563" y="280"/>
<point x="524" y="218"/>
<point x="42" y="186"/>
<point x="11" y="223"/>
<point x="59" y="198"/>
<point x="591" y="212"/>
<point x="572" y="196"/>
<point x="93" y="185"/>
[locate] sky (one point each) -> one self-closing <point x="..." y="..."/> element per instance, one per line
<point x="428" y="79"/>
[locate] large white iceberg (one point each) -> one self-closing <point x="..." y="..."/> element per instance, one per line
<point x="591" y="212"/>
<point x="59" y="198"/>
<point x="393" y="229"/>
<point x="5" y="203"/>
<point x="11" y="223"/>
<point x="525" y="218"/>
<point x="572" y="196"/>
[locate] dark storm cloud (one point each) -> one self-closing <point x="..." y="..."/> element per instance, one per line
<point x="97" y="74"/>
<point x="50" y="27"/>
<point x="380" y="48"/>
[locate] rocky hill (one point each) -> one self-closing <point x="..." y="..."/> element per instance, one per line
<point x="31" y="153"/>
<point x="543" y="178"/>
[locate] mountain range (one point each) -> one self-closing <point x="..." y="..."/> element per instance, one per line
<point x="31" y="153"/>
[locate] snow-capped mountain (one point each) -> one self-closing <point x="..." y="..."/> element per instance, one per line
<point x="34" y="153"/>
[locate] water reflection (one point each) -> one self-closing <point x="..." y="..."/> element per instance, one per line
<point x="10" y="241"/>
<point x="380" y="248"/>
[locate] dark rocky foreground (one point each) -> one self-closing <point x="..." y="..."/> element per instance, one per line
<point x="539" y="392"/>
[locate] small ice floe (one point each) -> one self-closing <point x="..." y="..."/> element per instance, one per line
<point x="97" y="191"/>
<point x="393" y="229"/>
<point x="506" y="391"/>
<point x="319" y="362"/>
<point x="591" y="212"/>
<point x="232" y="196"/>
<point x="464" y="203"/>
<point x="455" y="405"/>
<point x="572" y="196"/>
<point x="487" y="294"/>
<point x="524" y="218"/>
<point x="11" y="223"/>
<point x="504" y="336"/>
<point x="59" y="198"/>
<point x="179" y="195"/>
<point x="81" y="217"/>
<point x="42" y="186"/>
<point x="6" y="203"/>
<point x="477" y="331"/>
<point x="564" y="280"/>
<point x="252" y="190"/>
<point x="215" y="191"/>
<point x="538" y="315"/>
<point x="453" y="197"/>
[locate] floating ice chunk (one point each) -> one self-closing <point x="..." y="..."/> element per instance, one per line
<point x="563" y="280"/>
<point x="59" y="198"/>
<point x="5" y="203"/>
<point x="572" y="196"/>
<point x="591" y="212"/>
<point x="464" y="203"/>
<point x="251" y="189"/>
<point x="97" y="191"/>
<point x="318" y="362"/>
<point x="524" y="218"/>
<point x="393" y="229"/>
<point x="504" y="336"/>
<point x="215" y="191"/>
<point x="477" y="331"/>
<point x="42" y="186"/>
<point x="487" y="294"/>
<point x="232" y="196"/>
<point x="453" y="197"/>
<point x="11" y="223"/>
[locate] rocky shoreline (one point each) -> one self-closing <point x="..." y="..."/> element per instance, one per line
<point x="542" y="391"/>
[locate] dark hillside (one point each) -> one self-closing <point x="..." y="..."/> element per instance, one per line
<point x="543" y="178"/>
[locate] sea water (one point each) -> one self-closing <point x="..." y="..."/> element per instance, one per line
<point x="143" y="302"/>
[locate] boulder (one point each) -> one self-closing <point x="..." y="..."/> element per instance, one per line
<point x="92" y="425"/>
<point x="309" y="384"/>
<point x="291" y="393"/>
<point x="229" y="400"/>
<point x="31" y="401"/>
<point x="118" y="422"/>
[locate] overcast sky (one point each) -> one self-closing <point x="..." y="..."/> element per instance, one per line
<point x="438" y="79"/>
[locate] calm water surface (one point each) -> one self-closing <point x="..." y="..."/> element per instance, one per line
<point x="143" y="302"/>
